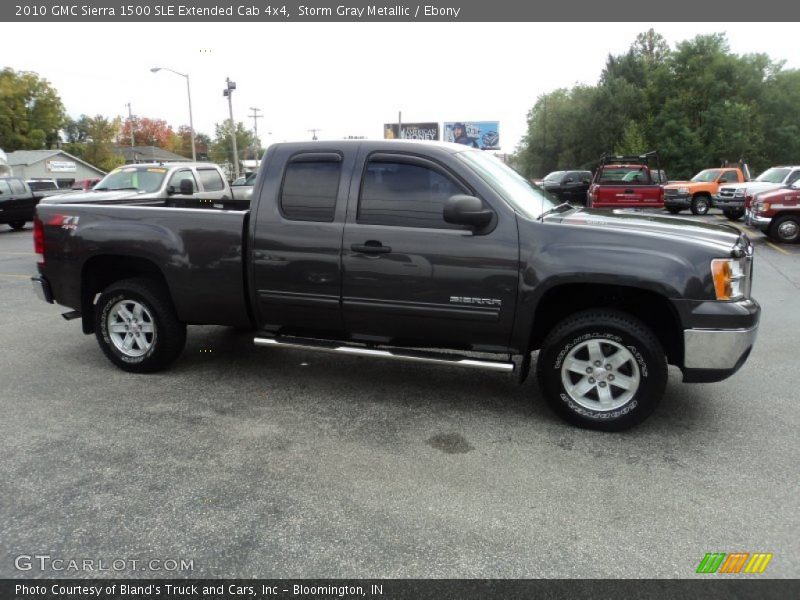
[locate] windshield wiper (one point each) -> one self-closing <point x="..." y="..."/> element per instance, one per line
<point x="564" y="206"/>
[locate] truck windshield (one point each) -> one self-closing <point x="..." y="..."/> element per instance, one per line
<point x="143" y="179"/>
<point x="774" y="175"/>
<point x="706" y="176"/>
<point x="554" y="176"/>
<point x="512" y="187"/>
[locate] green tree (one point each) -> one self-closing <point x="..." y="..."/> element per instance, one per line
<point x="99" y="141"/>
<point x="31" y="111"/>
<point x="697" y="105"/>
<point x="221" y="149"/>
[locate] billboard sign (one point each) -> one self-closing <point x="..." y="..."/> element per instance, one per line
<point x="478" y="134"/>
<point x="412" y="131"/>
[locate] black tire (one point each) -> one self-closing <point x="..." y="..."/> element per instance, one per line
<point x="673" y="210"/>
<point x="733" y="214"/>
<point x="616" y="332"/>
<point x="156" y="350"/>
<point x="785" y="229"/>
<point x="700" y="204"/>
<point x="17" y="225"/>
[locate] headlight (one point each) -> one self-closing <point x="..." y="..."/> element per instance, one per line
<point x="683" y="190"/>
<point x="739" y="193"/>
<point x="730" y="278"/>
<point x="759" y="206"/>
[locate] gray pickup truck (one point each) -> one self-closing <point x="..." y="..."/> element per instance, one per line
<point x="180" y="183"/>
<point x="384" y="248"/>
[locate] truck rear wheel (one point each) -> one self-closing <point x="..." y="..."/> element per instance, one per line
<point x="785" y="229"/>
<point x="602" y="369"/>
<point x="136" y="326"/>
<point x="700" y="204"/>
<point x="17" y="225"/>
<point x="733" y="214"/>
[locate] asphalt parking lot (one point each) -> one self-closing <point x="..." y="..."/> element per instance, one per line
<point x="253" y="462"/>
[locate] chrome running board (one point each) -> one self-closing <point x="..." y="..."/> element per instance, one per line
<point x="407" y="355"/>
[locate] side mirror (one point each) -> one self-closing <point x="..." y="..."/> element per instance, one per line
<point x="722" y="180"/>
<point x="187" y="187"/>
<point x="467" y="210"/>
<point x="569" y="180"/>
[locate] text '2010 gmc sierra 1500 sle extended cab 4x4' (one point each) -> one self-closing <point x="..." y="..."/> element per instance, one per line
<point x="415" y="251"/>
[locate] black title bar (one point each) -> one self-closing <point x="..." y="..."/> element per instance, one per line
<point x="742" y="588"/>
<point x="358" y="10"/>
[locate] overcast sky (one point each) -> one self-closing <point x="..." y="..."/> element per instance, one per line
<point x="341" y="78"/>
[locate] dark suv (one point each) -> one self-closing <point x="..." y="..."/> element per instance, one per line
<point x="17" y="202"/>
<point x="568" y="186"/>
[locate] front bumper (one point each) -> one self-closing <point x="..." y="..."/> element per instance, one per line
<point x="729" y="203"/>
<point x="717" y="338"/>
<point x="679" y="201"/>
<point x="757" y="221"/>
<point x="41" y="288"/>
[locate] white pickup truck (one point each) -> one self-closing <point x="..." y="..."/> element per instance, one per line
<point x="183" y="183"/>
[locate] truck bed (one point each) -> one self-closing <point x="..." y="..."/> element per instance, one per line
<point x="199" y="253"/>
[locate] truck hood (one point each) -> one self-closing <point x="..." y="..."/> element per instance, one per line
<point x="677" y="184"/>
<point x="722" y="237"/>
<point x="779" y="194"/>
<point x="755" y="186"/>
<point x="107" y="197"/>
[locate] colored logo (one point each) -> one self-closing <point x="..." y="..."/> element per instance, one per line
<point x="734" y="562"/>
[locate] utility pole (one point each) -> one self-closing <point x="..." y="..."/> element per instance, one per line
<point x="228" y="91"/>
<point x="130" y="123"/>
<point x="314" y="134"/>
<point x="255" y="116"/>
<point x="399" y="125"/>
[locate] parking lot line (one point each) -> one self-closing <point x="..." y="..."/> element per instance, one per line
<point x="18" y="253"/>
<point x="778" y="248"/>
<point x="15" y="276"/>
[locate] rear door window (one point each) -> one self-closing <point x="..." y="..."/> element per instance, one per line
<point x="310" y="188"/>
<point x="5" y="190"/>
<point x="211" y="180"/>
<point x="17" y="187"/>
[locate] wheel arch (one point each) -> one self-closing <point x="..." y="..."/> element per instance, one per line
<point x="101" y="271"/>
<point x="652" y="308"/>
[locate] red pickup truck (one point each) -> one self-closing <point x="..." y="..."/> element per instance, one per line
<point x="627" y="182"/>
<point x="777" y="213"/>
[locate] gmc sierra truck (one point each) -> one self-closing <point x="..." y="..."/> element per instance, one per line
<point x="414" y="251"/>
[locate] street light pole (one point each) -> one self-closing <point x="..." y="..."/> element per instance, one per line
<point x="228" y="91"/>
<point x="130" y="124"/>
<point x="255" y="116"/>
<point x="189" y="92"/>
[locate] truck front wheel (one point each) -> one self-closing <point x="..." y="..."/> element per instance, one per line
<point x="602" y="369"/>
<point x="700" y="204"/>
<point x="733" y="214"/>
<point x="785" y="229"/>
<point x="136" y="326"/>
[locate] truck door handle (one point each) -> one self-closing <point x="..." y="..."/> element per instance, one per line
<point x="371" y="247"/>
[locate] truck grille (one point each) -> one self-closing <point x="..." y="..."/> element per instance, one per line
<point x="670" y="193"/>
<point x="726" y="192"/>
